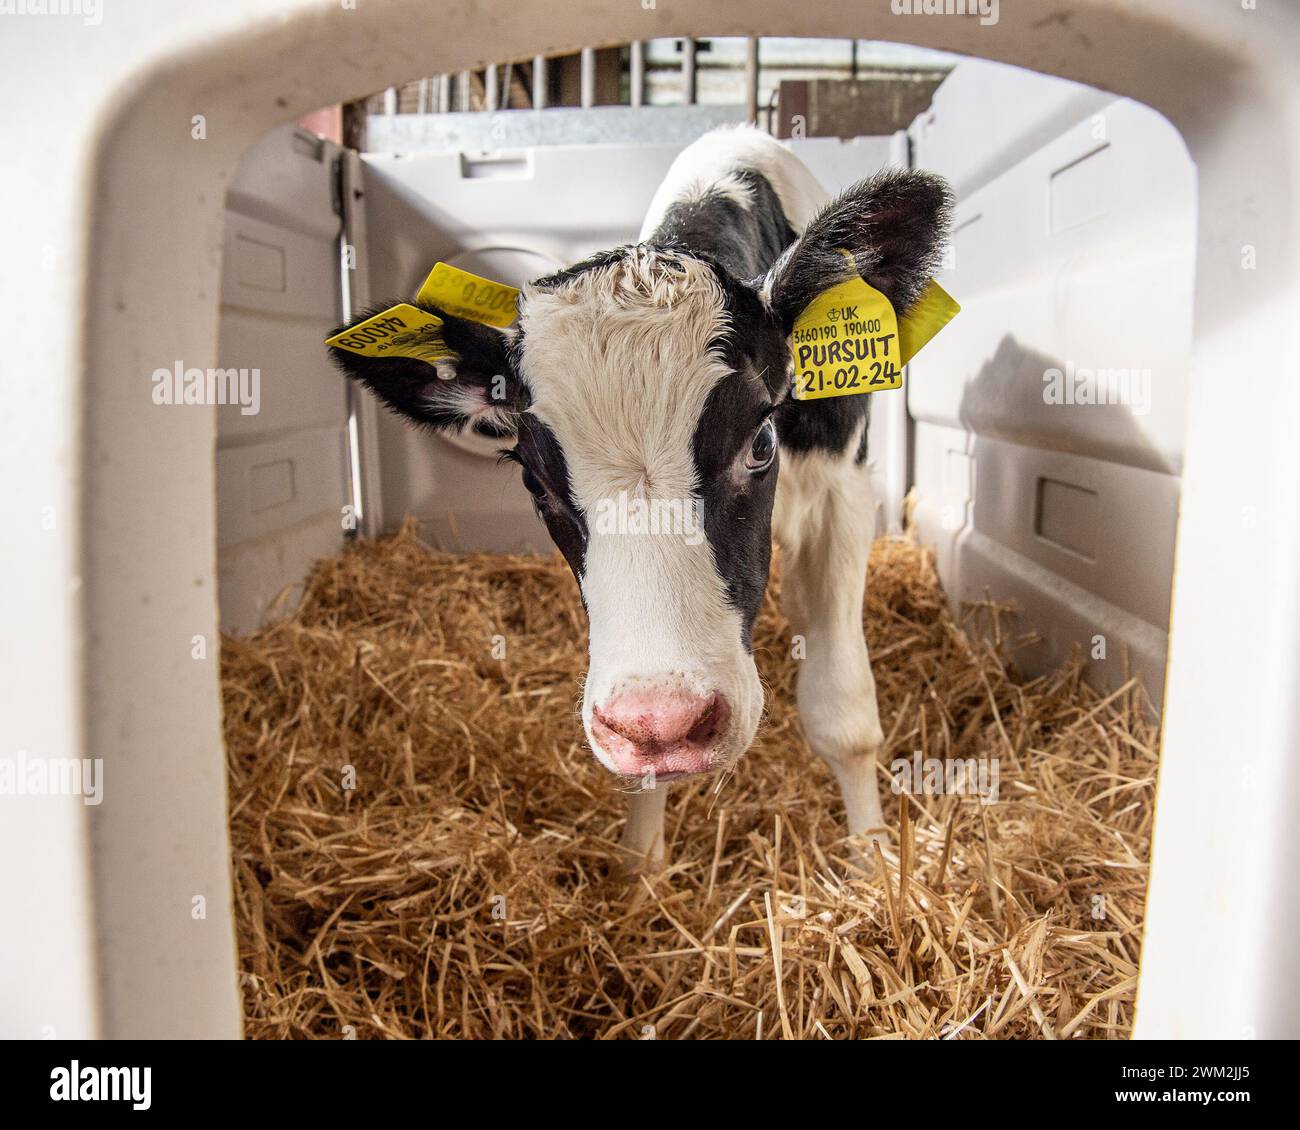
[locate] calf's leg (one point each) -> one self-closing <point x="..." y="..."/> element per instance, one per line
<point x="642" y="848"/>
<point x="825" y="520"/>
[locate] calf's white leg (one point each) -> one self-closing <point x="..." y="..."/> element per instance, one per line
<point x="643" y="834"/>
<point x="824" y="523"/>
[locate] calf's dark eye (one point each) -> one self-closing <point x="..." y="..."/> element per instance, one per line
<point x="762" y="449"/>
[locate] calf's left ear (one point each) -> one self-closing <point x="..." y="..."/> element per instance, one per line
<point x="444" y="372"/>
<point x="892" y="225"/>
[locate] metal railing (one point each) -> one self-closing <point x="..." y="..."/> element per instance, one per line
<point x="448" y="93"/>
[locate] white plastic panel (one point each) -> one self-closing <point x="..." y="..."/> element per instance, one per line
<point x="987" y="117"/>
<point x="514" y="215"/>
<point x="282" y="472"/>
<point x="1071" y="259"/>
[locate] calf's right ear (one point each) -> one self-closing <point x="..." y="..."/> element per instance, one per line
<point x="453" y="377"/>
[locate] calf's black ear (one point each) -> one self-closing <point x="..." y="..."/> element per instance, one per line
<point x="454" y="377"/>
<point x="893" y="225"/>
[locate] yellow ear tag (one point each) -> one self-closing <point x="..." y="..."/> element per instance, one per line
<point x="468" y="296"/>
<point x="849" y="341"/>
<point x="400" y="331"/>
<point x="928" y="315"/>
<point x="846" y="343"/>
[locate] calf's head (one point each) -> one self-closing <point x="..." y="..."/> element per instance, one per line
<point x="645" y="391"/>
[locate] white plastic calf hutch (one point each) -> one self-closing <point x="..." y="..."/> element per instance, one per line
<point x="1152" y="222"/>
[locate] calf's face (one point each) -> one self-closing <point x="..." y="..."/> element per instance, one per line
<point x="650" y="446"/>
<point x="642" y="390"/>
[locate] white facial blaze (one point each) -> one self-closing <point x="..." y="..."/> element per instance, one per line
<point x="620" y="366"/>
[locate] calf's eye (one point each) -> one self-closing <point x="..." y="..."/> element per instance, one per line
<point x="762" y="449"/>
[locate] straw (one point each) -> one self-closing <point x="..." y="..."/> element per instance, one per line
<point x="423" y="847"/>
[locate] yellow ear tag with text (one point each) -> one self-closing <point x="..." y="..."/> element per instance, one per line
<point x="928" y="315"/>
<point x="468" y="296"/>
<point x="846" y="343"/>
<point x="400" y="331"/>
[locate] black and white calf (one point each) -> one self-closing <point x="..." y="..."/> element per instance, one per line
<point x="661" y="372"/>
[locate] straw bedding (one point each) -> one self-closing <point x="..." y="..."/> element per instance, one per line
<point x="423" y="847"/>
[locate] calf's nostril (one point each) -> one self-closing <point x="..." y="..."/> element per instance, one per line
<point x="630" y="728"/>
<point x="708" y="723"/>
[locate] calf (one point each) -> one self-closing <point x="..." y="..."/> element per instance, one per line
<point x="660" y="373"/>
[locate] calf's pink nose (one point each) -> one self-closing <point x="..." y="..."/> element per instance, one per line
<point x="667" y="729"/>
